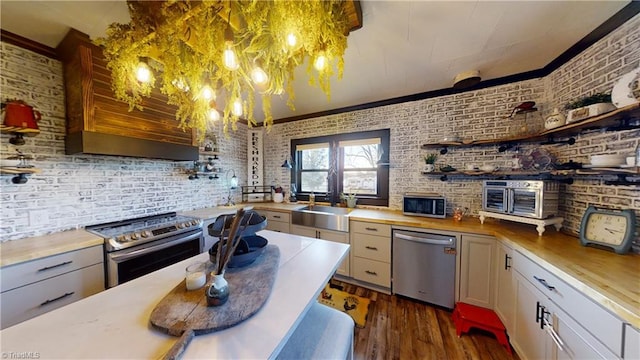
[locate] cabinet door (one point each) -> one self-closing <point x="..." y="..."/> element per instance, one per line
<point x="574" y="341"/>
<point x="505" y="301"/>
<point x="335" y="236"/>
<point x="477" y="270"/>
<point x="529" y="340"/>
<point x="278" y="226"/>
<point x="340" y="237"/>
<point x="304" y="231"/>
<point x="631" y="342"/>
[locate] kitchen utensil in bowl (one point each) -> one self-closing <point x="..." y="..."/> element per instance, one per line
<point x="607" y="160"/>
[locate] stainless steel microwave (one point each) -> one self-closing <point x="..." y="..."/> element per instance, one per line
<point x="424" y="204"/>
<point x="529" y="198"/>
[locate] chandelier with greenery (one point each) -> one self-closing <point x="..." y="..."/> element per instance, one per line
<point x="213" y="56"/>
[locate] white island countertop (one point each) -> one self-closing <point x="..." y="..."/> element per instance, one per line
<point x="114" y="324"/>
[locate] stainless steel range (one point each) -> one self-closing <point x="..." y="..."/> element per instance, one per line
<point x="136" y="247"/>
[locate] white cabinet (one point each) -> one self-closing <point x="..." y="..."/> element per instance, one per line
<point x="36" y="287"/>
<point x="505" y="289"/>
<point x="371" y="253"/>
<point x="477" y="270"/>
<point x="631" y="342"/>
<point x="575" y="327"/>
<point x="330" y="235"/>
<point x="277" y="220"/>
<point x="527" y="338"/>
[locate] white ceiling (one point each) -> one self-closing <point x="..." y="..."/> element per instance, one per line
<point x="403" y="47"/>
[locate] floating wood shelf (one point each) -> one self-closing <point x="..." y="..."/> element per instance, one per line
<point x="6" y="170"/>
<point x="19" y="130"/>
<point x="615" y="120"/>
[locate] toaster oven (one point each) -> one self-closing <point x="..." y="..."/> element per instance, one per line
<point x="529" y="198"/>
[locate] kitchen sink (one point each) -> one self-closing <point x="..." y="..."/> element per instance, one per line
<point x="324" y="217"/>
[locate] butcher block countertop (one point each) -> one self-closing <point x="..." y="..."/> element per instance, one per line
<point x="608" y="279"/>
<point x="17" y="251"/>
<point x="611" y="280"/>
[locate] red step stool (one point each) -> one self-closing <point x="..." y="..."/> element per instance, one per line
<point x="466" y="316"/>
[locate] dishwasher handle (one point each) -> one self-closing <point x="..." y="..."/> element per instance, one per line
<point x="425" y="240"/>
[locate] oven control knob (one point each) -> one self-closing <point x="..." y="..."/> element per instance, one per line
<point x="120" y="238"/>
<point x="180" y="226"/>
<point x="145" y="233"/>
<point x="135" y="236"/>
<point x="194" y="222"/>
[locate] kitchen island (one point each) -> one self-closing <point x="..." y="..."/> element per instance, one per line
<point x="114" y="324"/>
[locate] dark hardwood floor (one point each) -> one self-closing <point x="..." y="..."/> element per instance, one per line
<point x="401" y="328"/>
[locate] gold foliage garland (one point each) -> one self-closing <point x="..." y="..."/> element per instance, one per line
<point x="183" y="42"/>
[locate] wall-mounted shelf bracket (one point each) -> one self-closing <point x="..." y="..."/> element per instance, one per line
<point x="506" y="146"/>
<point x="552" y="141"/>
<point x="624" y="123"/>
<point x="622" y="180"/>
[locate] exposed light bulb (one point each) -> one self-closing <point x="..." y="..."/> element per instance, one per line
<point x="259" y="76"/>
<point x="237" y="108"/>
<point x="180" y="85"/>
<point x="229" y="58"/>
<point x="143" y="73"/>
<point x="207" y="93"/>
<point x="214" y="115"/>
<point x="321" y="62"/>
<point x="292" y="40"/>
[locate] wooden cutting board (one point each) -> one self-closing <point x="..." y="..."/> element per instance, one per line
<point x="186" y="314"/>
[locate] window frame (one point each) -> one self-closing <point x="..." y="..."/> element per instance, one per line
<point x="337" y="177"/>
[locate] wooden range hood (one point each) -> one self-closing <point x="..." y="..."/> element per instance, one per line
<point x="97" y="123"/>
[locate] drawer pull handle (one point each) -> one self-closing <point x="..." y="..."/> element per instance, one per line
<point x="276" y="216"/>
<point x="371" y="272"/>
<point x="544" y="282"/>
<point x="55" y="266"/>
<point x="371" y="229"/>
<point x="58" y="298"/>
<point x="371" y="248"/>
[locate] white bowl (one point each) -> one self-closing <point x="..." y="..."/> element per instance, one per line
<point x="608" y="160"/>
<point x="487" y="168"/>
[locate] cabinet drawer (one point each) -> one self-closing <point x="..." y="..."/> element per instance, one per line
<point x="278" y="226"/>
<point x="371" y="247"/>
<point x="21" y="274"/>
<point x="371" y="271"/>
<point x="605" y="326"/>
<point x="277" y="216"/>
<point x="35" y="299"/>
<point x="370" y="228"/>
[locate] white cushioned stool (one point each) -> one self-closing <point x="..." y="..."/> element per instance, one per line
<point x="323" y="333"/>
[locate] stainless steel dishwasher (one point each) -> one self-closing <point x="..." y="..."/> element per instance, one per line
<point x="424" y="266"/>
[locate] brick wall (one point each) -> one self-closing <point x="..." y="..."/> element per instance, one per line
<point x="479" y="115"/>
<point x="81" y="190"/>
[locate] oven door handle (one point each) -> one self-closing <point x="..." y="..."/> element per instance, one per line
<point x="511" y="194"/>
<point x="146" y="250"/>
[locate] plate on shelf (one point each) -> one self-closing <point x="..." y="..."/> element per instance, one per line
<point x="589" y="166"/>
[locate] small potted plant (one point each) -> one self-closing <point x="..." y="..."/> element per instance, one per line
<point x="430" y="160"/>
<point x="589" y="106"/>
<point x="350" y="199"/>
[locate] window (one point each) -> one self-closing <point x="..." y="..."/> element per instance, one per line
<point x="347" y="163"/>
